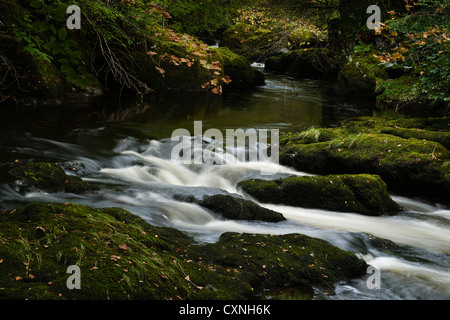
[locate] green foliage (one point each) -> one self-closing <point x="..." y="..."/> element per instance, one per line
<point x="419" y="41"/>
<point x="196" y="17"/>
<point x="362" y="47"/>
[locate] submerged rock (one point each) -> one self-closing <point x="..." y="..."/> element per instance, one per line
<point x="363" y="193"/>
<point x="120" y="256"/>
<point x="45" y="176"/>
<point x="409" y="166"/>
<point x="234" y="208"/>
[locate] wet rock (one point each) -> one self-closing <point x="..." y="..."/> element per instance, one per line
<point x="358" y="77"/>
<point x="238" y="68"/>
<point x="249" y="41"/>
<point x="409" y="166"/>
<point x="45" y="176"/>
<point x="234" y="208"/>
<point x="292" y="260"/>
<point x="365" y="194"/>
<point x="305" y="63"/>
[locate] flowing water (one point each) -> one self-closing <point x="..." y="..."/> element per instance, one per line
<point x="128" y="151"/>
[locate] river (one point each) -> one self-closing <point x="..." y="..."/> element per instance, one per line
<point x="127" y="148"/>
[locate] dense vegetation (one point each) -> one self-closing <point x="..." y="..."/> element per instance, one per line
<point x="141" y="46"/>
<point x="41" y="56"/>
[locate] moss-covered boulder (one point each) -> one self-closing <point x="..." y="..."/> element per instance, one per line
<point x="292" y="260"/>
<point x="306" y="63"/>
<point x="120" y="256"/>
<point x="43" y="83"/>
<point x="358" y="77"/>
<point x="175" y="66"/>
<point x="412" y="166"/>
<point x="44" y="176"/>
<point x="239" y="69"/>
<point x="234" y="208"/>
<point x="249" y="41"/>
<point x="364" y="193"/>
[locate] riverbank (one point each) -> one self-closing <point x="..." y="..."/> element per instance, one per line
<point x="120" y="256"/>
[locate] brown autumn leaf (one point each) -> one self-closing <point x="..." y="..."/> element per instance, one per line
<point x="217" y="90"/>
<point x="152" y="53"/>
<point x="226" y="79"/>
<point x="206" y="84"/>
<point x="115" y="258"/>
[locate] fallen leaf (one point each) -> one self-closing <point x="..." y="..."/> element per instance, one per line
<point x="114" y="258"/>
<point x="160" y="70"/>
<point x="226" y="79"/>
<point x="217" y="90"/>
<point x="124" y="247"/>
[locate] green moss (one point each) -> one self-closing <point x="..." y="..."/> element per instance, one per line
<point x="248" y="41"/>
<point x="365" y="194"/>
<point x="240" y="209"/>
<point x="358" y="77"/>
<point x="290" y="261"/>
<point x="120" y="256"/>
<point x="408" y="165"/>
<point x="119" y="259"/>
<point x="45" y="176"/>
<point x="308" y="63"/>
<point x="238" y="68"/>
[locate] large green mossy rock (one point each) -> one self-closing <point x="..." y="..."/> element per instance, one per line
<point x="158" y="73"/>
<point x="365" y="194"/>
<point x="291" y="260"/>
<point x="234" y="208"/>
<point x="408" y="154"/>
<point x="44" y="176"/>
<point x="121" y="256"/>
<point x="172" y="77"/>
<point x="239" y="69"/>
<point x="250" y="41"/>
<point x="307" y="63"/>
